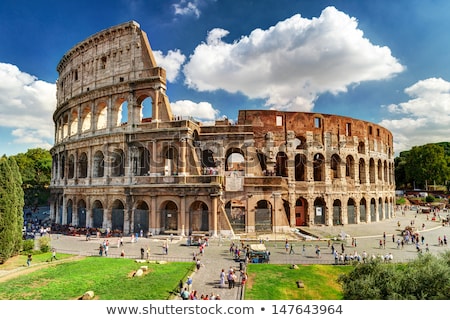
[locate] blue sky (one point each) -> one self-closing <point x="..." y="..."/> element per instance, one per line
<point x="381" y="61"/>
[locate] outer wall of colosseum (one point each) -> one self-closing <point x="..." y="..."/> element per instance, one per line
<point x="122" y="161"/>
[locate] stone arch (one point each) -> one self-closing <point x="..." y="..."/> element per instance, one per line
<point x="300" y="167"/>
<point x="351" y="211"/>
<point x="350" y="167"/>
<point x="63" y="166"/>
<point x="98" y="164"/>
<point x="337" y="213"/>
<point x="170" y="160"/>
<point x="300" y="143"/>
<point x="199" y="217"/>
<point x="141" y="217"/>
<point x="101" y="116"/>
<point x="319" y="211"/>
<point x="74" y="123"/>
<point x="373" y="210"/>
<point x="145" y="103"/>
<point x="372" y="170"/>
<point x="86" y="118"/>
<point x="380" y="209"/>
<point x="69" y="209"/>
<point x="335" y="166"/>
<point x="236" y="215"/>
<point x="169" y="216"/>
<point x="362" y="171"/>
<point x="319" y="167"/>
<point x="361" y="147"/>
<point x="97" y="214"/>
<point x="117" y="157"/>
<point x="363" y="210"/>
<point x="235" y="160"/>
<point x="71" y="166"/>
<point x="120" y="112"/>
<point x="81" y="210"/>
<point x="117" y="216"/>
<point x="386" y="208"/>
<point x="301" y="212"/>
<point x="83" y="165"/>
<point x="281" y="168"/>
<point x="263" y="216"/>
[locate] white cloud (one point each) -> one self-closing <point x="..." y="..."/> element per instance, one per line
<point x="201" y="111"/>
<point x="26" y="107"/>
<point x="425" y="118"/>
<point x="291" y="63"/>
<point x="187" y="8"/>
<point x="171" y="63"/>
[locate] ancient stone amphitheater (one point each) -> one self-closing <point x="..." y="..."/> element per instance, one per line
<point x="123" y="162"/>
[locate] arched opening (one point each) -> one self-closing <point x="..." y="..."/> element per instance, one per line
<point x="69" y="208"/>
<point x="140" y="157"/>
<point x="146" y="108"/>
<point x="300" y="167"/>
<point x="380" y="170"/>
<point x="319" y="167"/>
<point x="63" y="167"/>
<point x="362" y="171"/>
<point x="281" y="166"/>
<point x="235" y="210"/>
<point x="235" y="161"/>
<point x="335" y="166"/>
<point x="74" y="123"/>
<point x="373" y="212"/>
<point x="81" y="214"/>
<point x="117" y="163"/>
<point x="86" y="120"/>
<point x="141" y="217"/>
<point x="300" y="143"/>
<point x="319" y="211"/>
<point x="351" y="211"/>
<point x="97" y="214"/>
<point x="170" y="161"/>
<point x="99" y="164"/>
<point x="337" y="213"/>
<point x="372" y="170"/>
<point x="71" y="172"/>
<point x="361" y="147"/>
<point x="380" y="209"/>
<point x="122" y="114"/>
<point x="199" y="217"/>
<point x="102" y="116"/>
<point x="117" y="216"/>
<point x="362" y="210"/>
<point x="83" y="165"/>
<point x="263" y="216"/>
<point x="169" y="217"/>
<point x="350" y="167"/>
<point x="301" y="209"/>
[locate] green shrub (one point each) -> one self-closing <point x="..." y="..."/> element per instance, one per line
<point x="28" y="245"/>
<point x="44" y="244"/>
<point x="429" y="199"/>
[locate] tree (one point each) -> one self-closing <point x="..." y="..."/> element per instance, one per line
<point x="35" y="167"/>
<point x="11" y="208"/>
<point x="427" y="164"/>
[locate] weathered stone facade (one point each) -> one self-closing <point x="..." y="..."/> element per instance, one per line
<point x="123" y="165"/>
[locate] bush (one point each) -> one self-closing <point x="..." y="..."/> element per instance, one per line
<point x="28" y="245"/>
<point x="44" y="244"/>
<point x="429" y="199"/>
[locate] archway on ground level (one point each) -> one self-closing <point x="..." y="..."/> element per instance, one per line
<point x="362" y="210"/>
<point x="141" y="218"/>
<point x="301" y="209"/>
<point x="199" y="217"/>
<point x="351" y="211"/>
<point x="319" y="211"/>
<point x="69" y="212"/>
<point x="337" y="213"/>
<point x="81" y="214"/>
<point x="373" y="210"/>
<point x="117" y="216"/>
<point x="97" y="214"/>
<point x="263" y="216"/>
<point x="169" y="216"/>
<point x="235" y="210"/>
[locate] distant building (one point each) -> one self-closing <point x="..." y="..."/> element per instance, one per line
<point x="122" y="161"/>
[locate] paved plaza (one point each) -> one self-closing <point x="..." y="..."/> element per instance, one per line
<point x="217" y="255"/>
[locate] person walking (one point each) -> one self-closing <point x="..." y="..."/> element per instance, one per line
<point x="29" y="258"/>
<point x="222" y="278"/>
<point x="291" y="251"/>
<point x="53" y="255"/>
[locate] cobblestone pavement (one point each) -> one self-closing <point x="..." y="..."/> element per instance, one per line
<point x="217" y="255"/>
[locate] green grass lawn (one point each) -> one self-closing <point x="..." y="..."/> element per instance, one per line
<point x="109" y="279"/>
<point x="279" y="282"/>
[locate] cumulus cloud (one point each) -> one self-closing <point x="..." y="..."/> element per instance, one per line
<point x="202" y="111"/>
<point x="187" y="8"/>
<point x="291" y="63"/>
<point x="425" y="118"/>
<point x="26" y="107"/>
<point x="171" y="63"/>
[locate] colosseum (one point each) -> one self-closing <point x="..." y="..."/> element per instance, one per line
<point x="122" y="161"/>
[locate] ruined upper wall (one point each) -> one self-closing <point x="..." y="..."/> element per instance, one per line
<point x="116" y="55"/>
<point x="322" y="127"/>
